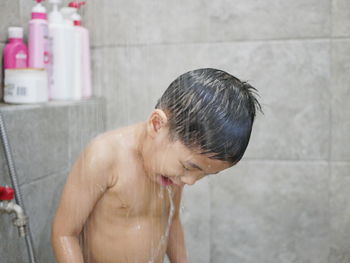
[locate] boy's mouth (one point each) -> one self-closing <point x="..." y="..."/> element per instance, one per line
<point x="164" y="181"/>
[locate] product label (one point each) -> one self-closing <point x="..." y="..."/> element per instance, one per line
<point x="13" y="90"/>
<point x="21" y="55"/>
<point x="49" y="65"/>
<point x="21" y="60"/>
<point x="21" y="91"/>
<point x="9" y="89"/>
<point x="47" y="55"/>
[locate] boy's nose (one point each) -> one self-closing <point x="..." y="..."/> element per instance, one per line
<point x="187" y="179"/>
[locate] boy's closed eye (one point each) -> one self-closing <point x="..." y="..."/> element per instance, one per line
<point x="195" y="168"/>
<point x="185" y="168"/>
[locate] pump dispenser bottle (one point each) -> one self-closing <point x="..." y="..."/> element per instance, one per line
<point x="38" y="49"/>
<point x="75" y="43"/>
<point x="62" y="74"/>
<point x="85" y="65"/>
<point x="74" y="46"/>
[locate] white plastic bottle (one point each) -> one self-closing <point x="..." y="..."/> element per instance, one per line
<point x="75" y="45"/>
<point x="85" y="51"/>
<point x="62" y="68"/>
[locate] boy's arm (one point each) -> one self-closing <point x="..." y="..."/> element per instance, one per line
<point x="86" y="183"/>
<point x="176" y="249"/>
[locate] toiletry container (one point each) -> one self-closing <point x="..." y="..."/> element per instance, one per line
<point x="38" y="49"/>
<point x="15" y="51"/>
<point x="75" y="46"/>
<point x="85" y="51"/>
<point x="25" y="86"/>
<point x="62" y="67"/>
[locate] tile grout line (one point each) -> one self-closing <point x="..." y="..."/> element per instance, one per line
<point x="330" y="129"/>
<point x="329" y="211"/>
<point x="215" y="42"/>
<point x="41" y="178"/>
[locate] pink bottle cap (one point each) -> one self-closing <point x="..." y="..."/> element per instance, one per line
<point x="76" y="4"/>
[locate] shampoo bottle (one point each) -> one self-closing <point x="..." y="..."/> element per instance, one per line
<point x="85" y="51"/>
<point x="75" y="47"/>
<point x="62" y="74"/>
<point x="38" y="49"/>
<point x="15" y="51"/>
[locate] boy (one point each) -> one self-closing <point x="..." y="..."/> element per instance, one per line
<point x="113" y="209"/>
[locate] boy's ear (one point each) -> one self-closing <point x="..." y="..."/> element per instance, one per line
<point x="156" y="121"/>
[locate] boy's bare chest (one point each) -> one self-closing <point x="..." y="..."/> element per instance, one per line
<point x="135" y="195"/>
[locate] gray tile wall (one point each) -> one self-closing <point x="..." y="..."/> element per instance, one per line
<point x="10" y="16"/>
<point x="155" y="21"/>
<point x="288" y="200"/>
<point x="274" y="211"/>
<point x="339" y="212"/>
<point x="45" y="140"/>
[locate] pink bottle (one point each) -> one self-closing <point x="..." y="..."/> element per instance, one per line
<point x="38" y="46"/>
<point x="15" y="51"/>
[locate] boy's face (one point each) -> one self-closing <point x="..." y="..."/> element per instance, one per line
<point x="171" y="162"/>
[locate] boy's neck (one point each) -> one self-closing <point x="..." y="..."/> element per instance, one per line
<point x="140" y="138"/>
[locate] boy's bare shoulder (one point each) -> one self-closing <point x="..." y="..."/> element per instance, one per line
<point x="101" y="152"/>
<point x="109" y="148"/>
<point x="104" y="147"/>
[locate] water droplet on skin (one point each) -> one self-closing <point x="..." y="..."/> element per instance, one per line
<point x="100" y="188"/>
<point x="161" y="195"/>
<point x="182" y="209"/>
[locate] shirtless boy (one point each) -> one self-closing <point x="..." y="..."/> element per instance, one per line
<point x="117" y="199"/>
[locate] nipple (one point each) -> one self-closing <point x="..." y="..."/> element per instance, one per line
<point x="122" y="203"/>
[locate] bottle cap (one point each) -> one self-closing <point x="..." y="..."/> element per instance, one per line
<point x="75" y="17"/>
<point x="55" y="17"/>
<point x="67" y="13"/>
<point x="75" y="4"/>
<point x="15" y="32"/>
<point x="39" y="8"/>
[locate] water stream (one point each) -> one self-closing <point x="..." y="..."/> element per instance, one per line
<point x="164" y="237"/>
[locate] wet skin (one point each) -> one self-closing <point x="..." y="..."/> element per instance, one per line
<point x="115" y="196"/>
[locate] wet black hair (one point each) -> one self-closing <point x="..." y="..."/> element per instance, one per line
<point x="210" y="110"/>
